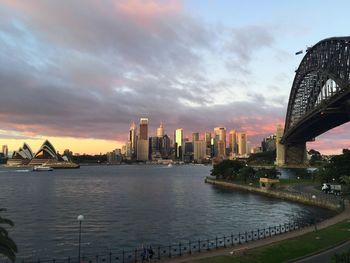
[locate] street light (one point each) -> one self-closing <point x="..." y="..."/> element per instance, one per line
<point x="80" y="219"/>
<point x="314" y="197"/>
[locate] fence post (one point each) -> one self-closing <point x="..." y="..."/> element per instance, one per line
<point x="123" y="256"/>
<point x="180" y="248"/>
<point x="224" y="241"/>
<point x="208" y="244"/>
<point x="199" y="245"/>
<point x="216" y="242"/>
<point x="158" y="252"/>
<point x="68" y="259"/>
<point x="169" y="251"/>
<point x="96" y="259"/>
<point x="231" y="239"/>
<point x="110" y="257"/>
<point x="135" y="255"/>
<point x="239" y="238"/>
<point x="246" y="237"/>
<point x="189" y="247"/>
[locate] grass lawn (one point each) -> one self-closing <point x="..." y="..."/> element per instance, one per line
<point x="289" y="249"/>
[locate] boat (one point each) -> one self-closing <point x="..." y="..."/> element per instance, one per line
<point x="41" y="168"/>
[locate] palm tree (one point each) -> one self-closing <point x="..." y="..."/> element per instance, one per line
<point x="8" y="247"/>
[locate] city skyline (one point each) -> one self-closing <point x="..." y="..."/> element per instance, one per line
<point x="77" y="77"/>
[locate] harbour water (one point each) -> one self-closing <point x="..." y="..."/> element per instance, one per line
<point x="129" y="206"/>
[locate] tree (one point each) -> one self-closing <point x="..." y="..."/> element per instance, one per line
<point x="246" y="173"/>
<point x="227" y="169"/>
<point x="338" y="166"/>
<point x="8" y="247"/>
<point x="263" y="158"/>
<point x="316" y="157"/>
<point x="267" y="173"/>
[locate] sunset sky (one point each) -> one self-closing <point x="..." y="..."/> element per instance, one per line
<point x="79" y="72"/>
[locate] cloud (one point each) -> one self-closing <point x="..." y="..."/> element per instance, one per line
<point x="244" y="43"/>
<point x="88" y="68"/>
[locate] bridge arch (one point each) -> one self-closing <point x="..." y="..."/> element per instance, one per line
<point x="320" y="96"/>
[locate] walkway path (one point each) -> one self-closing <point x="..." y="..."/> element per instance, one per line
<point x="325" y="256"/>
<point x="345" y="215"/>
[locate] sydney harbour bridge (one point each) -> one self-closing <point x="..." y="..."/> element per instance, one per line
<point x="319" y="99"/>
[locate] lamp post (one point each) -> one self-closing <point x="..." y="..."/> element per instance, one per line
<point x="314" y="197"/>
<point x="80" y="219"/>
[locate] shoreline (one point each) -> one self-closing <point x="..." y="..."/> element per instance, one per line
<point x="307" y="199"/>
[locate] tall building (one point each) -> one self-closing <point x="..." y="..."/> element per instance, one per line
<point x="178" y="140"/>
<point x="269" y="143"/>
<point x="142" y="142"/>
<point x="221" y="151"/>
<point x="160" y="130"/>
<point x="165" y="149"/>
<point x="199" y="151"/>
<point x="232" y="140"/>
<point x="143" y="135"/>
<point x="220" y="141"/>
<point x="207" y="139"/>
<point x="221" y="132"/>
<point x="155" y="147"/>
<point x="280" y="155"/>
<point x="195" y="137"/>
<point x="132" y="145"/>
<point x="5" y="151"/>
<point x="242" y="144"/>
<point x="187" y="152"/>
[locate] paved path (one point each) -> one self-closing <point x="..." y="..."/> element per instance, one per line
<point x="263" y="242"/>
<point x="326" y="256"/>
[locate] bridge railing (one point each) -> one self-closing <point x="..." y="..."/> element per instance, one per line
<point x="179" y="249"/>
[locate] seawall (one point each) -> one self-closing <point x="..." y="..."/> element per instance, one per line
<point x="304" y="198"/>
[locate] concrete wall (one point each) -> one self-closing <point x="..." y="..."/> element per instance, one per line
<point x="332" y="204"/>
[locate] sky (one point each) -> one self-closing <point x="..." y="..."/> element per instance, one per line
<point x="79" y="72"/>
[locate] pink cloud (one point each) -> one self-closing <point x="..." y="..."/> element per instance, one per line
<point x="145" y="13"/>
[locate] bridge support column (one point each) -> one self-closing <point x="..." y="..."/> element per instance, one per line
<point x="295" y="154"/>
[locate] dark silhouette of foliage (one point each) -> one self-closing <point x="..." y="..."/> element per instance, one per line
<point x="246" y="174"/>
<point x="8" y="247"/>
<point x="267" y="173"/>
<point x="316" y="158"/>
<point x="263" y="158"/>
<point x="338" y="166"/>
<point x="227" y="169"/>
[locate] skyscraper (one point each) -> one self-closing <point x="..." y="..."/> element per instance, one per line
<point x="195" y="137"/>
<point x="178" y="139"/>
<point x="232" y="140"/>
<point x="143" y="129"/>
<point x="199" y="150"/>
<point x="207" y="139"/>
<point x="160" y="130"/>
<point x="142" y="142"/>
<point x="242" y="144"/>
<point x="132" y="142"/>
<point x="220" y="140"/>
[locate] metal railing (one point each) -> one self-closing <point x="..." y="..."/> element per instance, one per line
<point x="179" y="249"/>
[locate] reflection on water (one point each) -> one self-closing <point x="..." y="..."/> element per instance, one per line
<point x="127" y="206"/>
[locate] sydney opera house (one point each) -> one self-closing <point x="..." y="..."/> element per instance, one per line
<point x="46" y="156"/>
